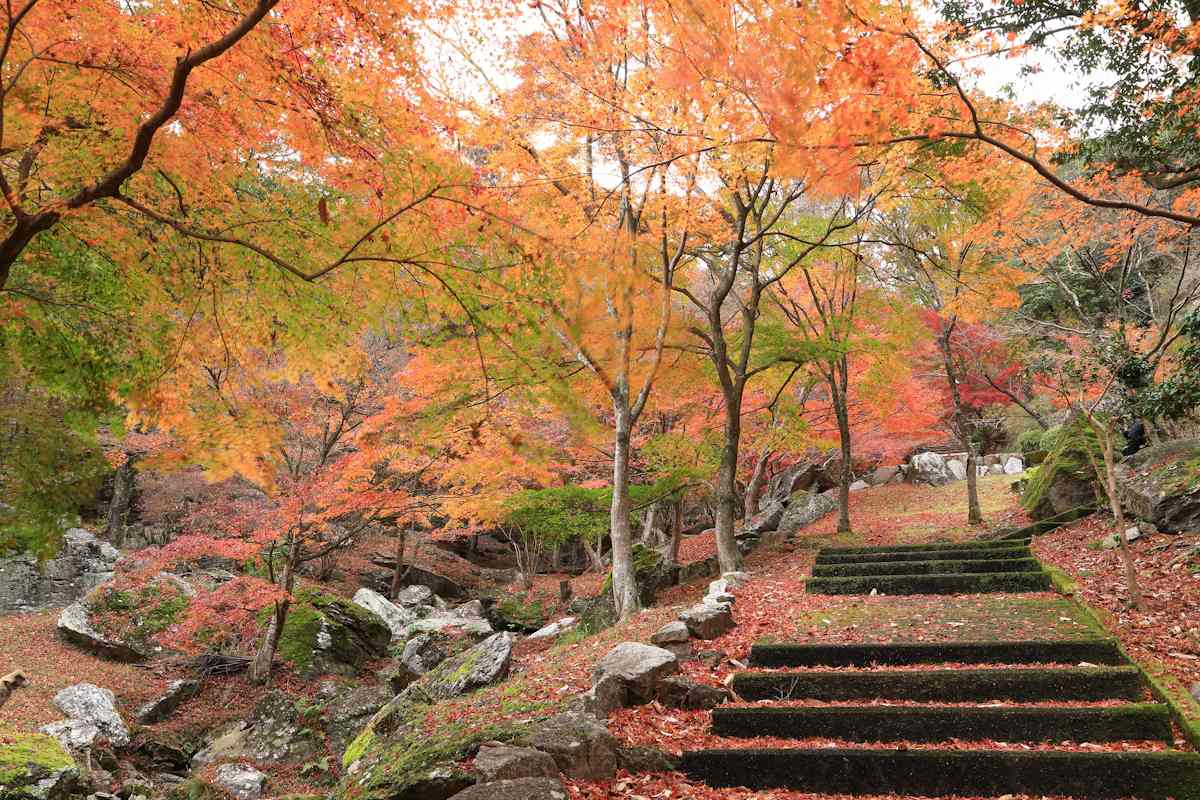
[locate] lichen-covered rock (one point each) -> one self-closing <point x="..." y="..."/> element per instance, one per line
<point x="395" y="617"/>
<point x="93" y="705"/>
<point x="274" y="731"/>
<point x="928" y="469"/>
<point x="805" y="508"/>
<point x="348" y="712"/>
<point x="414" y="596"/>
<point x="423" y="652"/>
<point x="83" y="562"/>
<point x="163" y="706"/>
<point x="500" y="762"/>
<point x="671" y="633"/>
<point x="1064" y="484"/>
<point x="519" y="789"/>
<point x="74" y="626"/>
<point x="242" y="781"/>
<point x="481" y="665"/>
<point x="554" y="629"/>
<point x="798" y="478"/>
<point x="640" y="668"/>
<point x="708" y="620"/>
<point x="767" y="519"/>
<point x="328" y="635"/>
<point x="1161" y="484"/>
<point x="36" y="767"/>
<point x="580" y="744"/>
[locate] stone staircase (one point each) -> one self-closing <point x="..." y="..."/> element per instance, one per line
<point x="968" y="694"/>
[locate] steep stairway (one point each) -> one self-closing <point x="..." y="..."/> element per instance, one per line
<point x="875" y="699"/>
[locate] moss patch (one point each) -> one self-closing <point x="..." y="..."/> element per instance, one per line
<point x="26" y="758"/>
<point x="1071" y="452"/>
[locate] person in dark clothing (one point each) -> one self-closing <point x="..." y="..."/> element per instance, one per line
<point x="1135" y="437"/>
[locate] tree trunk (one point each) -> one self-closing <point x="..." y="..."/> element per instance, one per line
<point x="676" y="531"/>
<point x="398" y="571"/>
<point x="624" y="578"/>
<point x="260" y="669"/>
<point x="974" y="512"/>
<point x="727" y="551"/>
<point x="837" y="392"/>
<point x="1110" y="481"/>
<point x="755" y="486"/>
<point x="122" y="500"/>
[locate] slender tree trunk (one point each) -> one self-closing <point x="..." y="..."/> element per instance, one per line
<point x="398" y="570"/>
<point x="676" y="530"/>
<point x="755" y="486"/>
<point x="122" y="499"/>
<point x="1109" y="478"/>
<point x="727" y="551"/>
<point x="974" y="512"/>
<point x="624" y="578"/>
<point x="837" y="393"/>
<point x="260" y="669"/>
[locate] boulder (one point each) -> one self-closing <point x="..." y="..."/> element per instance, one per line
<point x="36" y="767"/>
<point x="580" y="745"/>
<point x="638" y="667"/>
<point x="423" y="652"/>
<point x="75" y="627"/>
<point x="272" y="732"/>
<point x="83" y="562"/>
<point x="413" y="596"/>
<point x="443" y="573"/>
<point x="957" y="469"/>
<point x="242" y="781"/>
<point x="1161" y="484"/>
<point x="92" y="705"/>
<point x="397" y="618"/>
<point x="708" y="620"/>
<point x="1064" y="485"/>
<point x="671" y="633"/>
<point x="326" y="635"/>
<point x="1013" y="466"/>
<point x="798" y="478"/>
<point x="75" y="735"/>
<point x="474" y="626"/>
<point x="767" y="519"/>
<point x="349" y="711"/>
<point x="482" y="665"/>
<point x="859" y="485"/>
<point x="883" y="475"/>
<point x="927" y="469"/>
<point x="499" y="762"/>
<point x="806" y="508"/>
<point x="554" y="629"/>
<point x="519" y="789"/>
<point x="692" y="696"/>
<point x="995" y="469"/>
<point x="176" y="694"/>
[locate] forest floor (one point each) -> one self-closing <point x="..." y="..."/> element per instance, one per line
<point x="773" y="606"/>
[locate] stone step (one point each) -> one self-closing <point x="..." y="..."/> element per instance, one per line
<point x="925" y="567"/>
<point x="929" y="546"/>
<point x="973" y="583"/>
<point x="933" y="772"/>
<point x="1136" y="721"/>
<point x="1095" y="651"/>
<point x="1003" y="552"/>
<point x="945" y="685"/>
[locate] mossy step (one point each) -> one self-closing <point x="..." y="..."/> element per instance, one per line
<point x="1138" y="721"/>
<point x="933" y="584"/>
<point x="945" y="685"/>
<point x="932" y="772"/>
<point x="925" y="567"/>
<point x="1095" y="651"/>
<point x="928" y="546"/>
<point x="1005" y="552"/>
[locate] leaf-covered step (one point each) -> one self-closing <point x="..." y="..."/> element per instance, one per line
<point x="945" y="685"/>
<point x="1138" y="721"/>
<point x="931" y="772"/>
<point x="932" y="584"/>
<point x="929" y="546"/>
<point x="1005" y="552"/>
<point x="925" y="567"/>
<point x="1094" y="651"/>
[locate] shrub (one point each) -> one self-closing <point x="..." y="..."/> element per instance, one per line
<point x="1030" y="441"/>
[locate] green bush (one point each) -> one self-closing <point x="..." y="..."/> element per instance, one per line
<point x="1030" y="441"/>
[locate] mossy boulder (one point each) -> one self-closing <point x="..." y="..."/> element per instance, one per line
<point x="327" y="635"/>
<point x="35" y="767"/>
<point x="1161" y="484"/>
<point x="516" y="615"/>
<point x="1065" y="483"/>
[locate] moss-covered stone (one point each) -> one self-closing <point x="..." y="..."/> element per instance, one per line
<point x="35" y="767"/>
<point x="325" y="634"/>
<point x="1066" y="480"/>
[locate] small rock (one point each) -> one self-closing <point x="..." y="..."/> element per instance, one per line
<point x="957" y="469"/>
<point x="692" y="696"/>
<point x="640" y="667"/>
<point x="395" y="617"/>
<point x="93" y="705"/>
<point x="1014" y="466"/>
<point x="580" y="744"/>
<point x="520" y="789"/>
<point x="606" y="696"/>
<point x="469" y="610"/>
<point x="710" y="658"/>
<point x="736" y="580"/>
<point x="501" y="763"/>
<point x="177" y="693"/>
<point x="241" y="780"/>
<point x="706" y="621"/>
<point x="671" y="633"/>
<point x="646" y="759"/>
<point x="1196" y="691"/>
<point x="858" y="486"/>
<point x="554" y="628"/>
<point x="413" y="596"/>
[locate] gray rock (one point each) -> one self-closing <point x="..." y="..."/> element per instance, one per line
<point x="927" y="469"/>
<point x="241" y="780"/>
<point x="799" y="478"/>
<point x="469" y="610"/>
<point x="422" y="653"/>
<point x="398" y="677"/>
<point x="519" y="789"/>
<point x="1113" y="540"/>
<point x="82" y="563"/>
<point x="646" y="759"/>
<point x="1014" y="466"/>
<point x="995" y="469"/>
<point x="708" y="620"/>
<point x="93" y="705"/>
<point x="554" y="629"/>
<point x="688" y="694"/>
<point x="413" y="596"/>
<point x="767" y="519"/>
<point x="345" y="639"/>
<point x="671" y="633"/>
<point x="1160" y="484"/>
<point x="481" y="665"/>
<point x="273" y="732"/>
<point x="606" y="696"/>
<point x="883" y="475"/>
<point x="76" y="735"/>
<point x="442" y="621"/>
<point x="498" y="762"/>
<point x="858" y="486"/>
<point x="639" y="667"/>
<point x="957" y="469"/>
<point x="806" y="508"/>
<point x="580" y="745"/>
<point x="1196" y="691"/>
<point x="75" y="627"/>
<point x="395" y="617"/>
<point x="177" y="693"/>
<point x="349" y="711"/>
